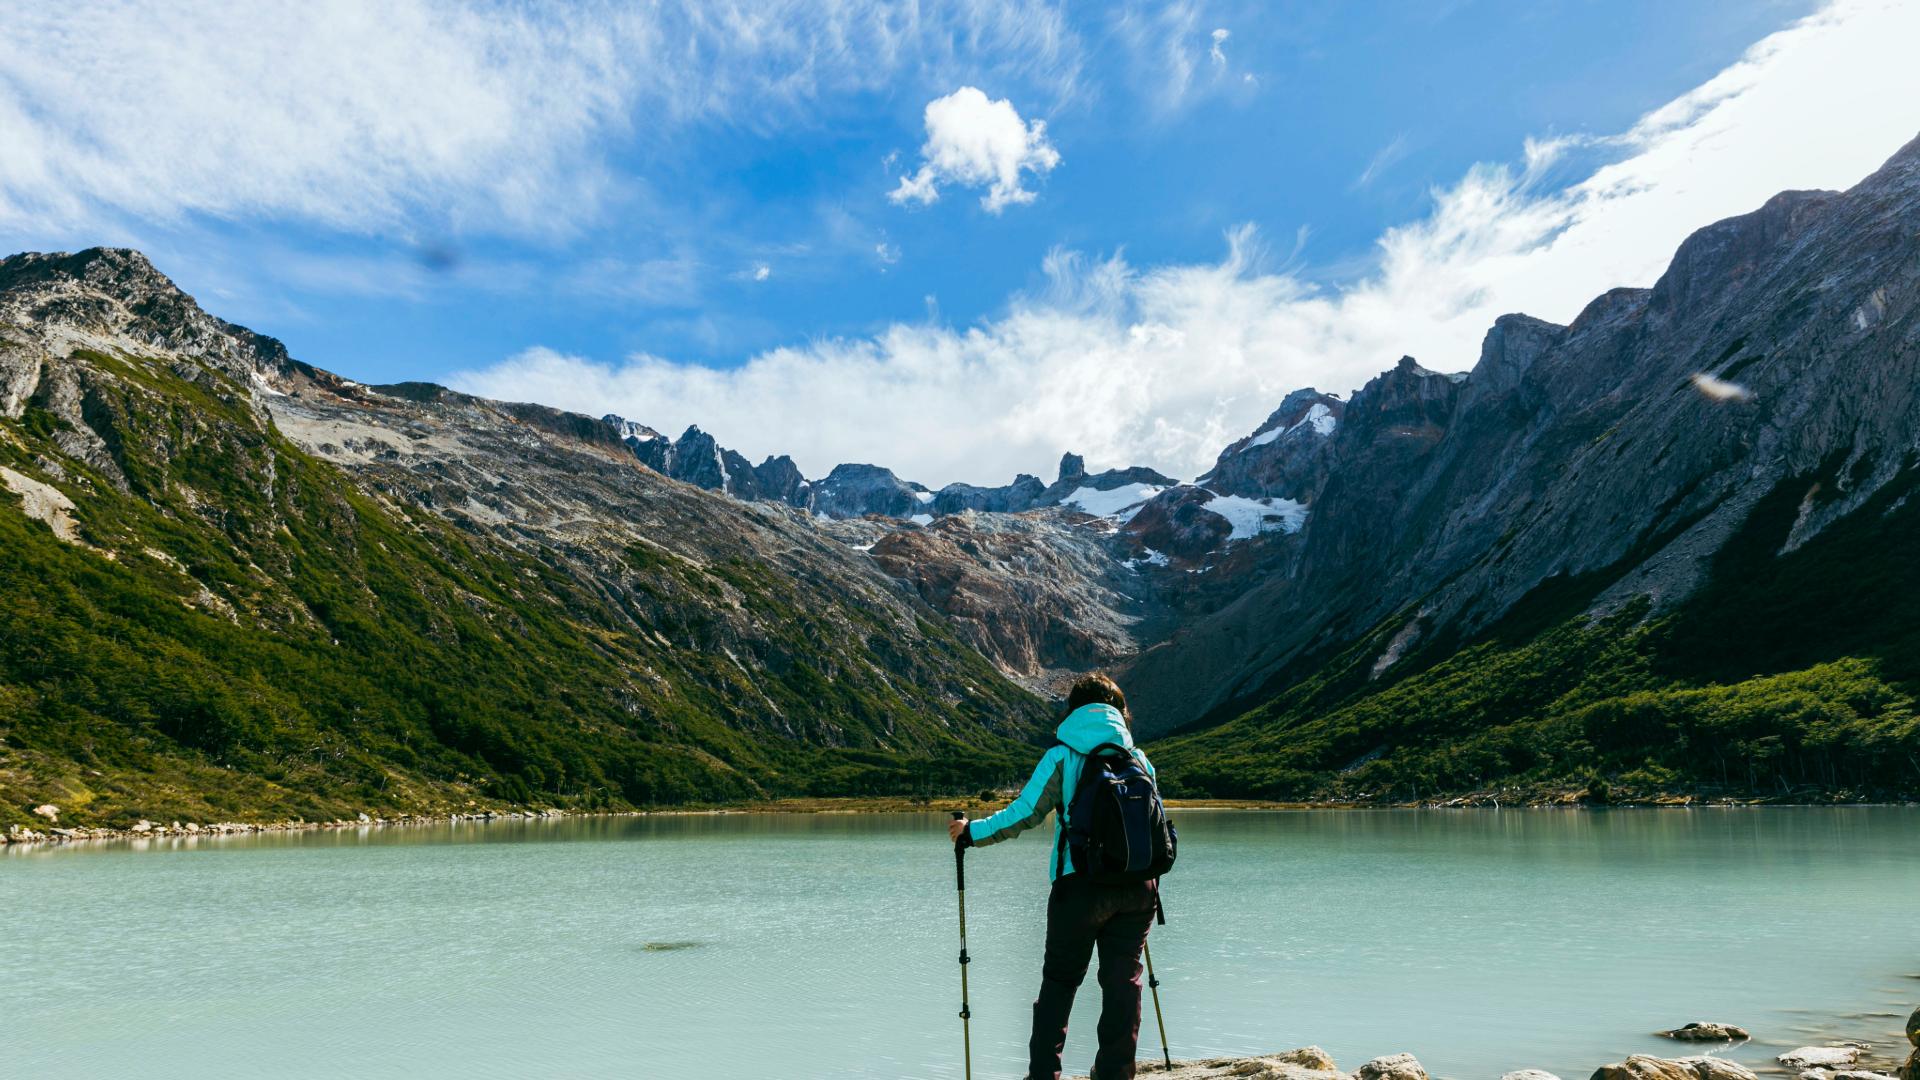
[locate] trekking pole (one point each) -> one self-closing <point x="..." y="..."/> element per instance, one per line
<point x="966" y="1013"/>
<point x="1153" y="983"/>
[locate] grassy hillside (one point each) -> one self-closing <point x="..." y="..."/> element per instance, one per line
<point x="246" y="634"/>
<point x="1790" y="675"/>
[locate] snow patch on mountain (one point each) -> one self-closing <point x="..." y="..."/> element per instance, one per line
<point x="1319" y="417"/>
<point x="1251" y="517"/>
<point x="1113" y="503"/>
<point x="1151" y="558"/>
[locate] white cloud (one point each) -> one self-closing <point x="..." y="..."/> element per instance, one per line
<point x="1163" y="45"/>
<point x="1162" y="366"/>
<point x="428" y="115"/>
<point x="762" y="272"/>
<point x="974" y="141"/>
<point x="1382" y="160"/>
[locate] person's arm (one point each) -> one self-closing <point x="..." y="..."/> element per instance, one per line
<point x="1040" y="797"/>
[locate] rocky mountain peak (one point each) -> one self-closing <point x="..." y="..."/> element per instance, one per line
<point x="1509" y="350"/>
<point x="854" y="490"/>
<point x="1726" y="254"/>
<point x="117" y="293"/>
<point x="1072" y="467"/>
<point x="1287" y="456"/>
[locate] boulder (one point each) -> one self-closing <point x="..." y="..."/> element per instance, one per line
<point x="1306" y="1063"/>
<point x="1820" y="1057"/>
<point x="1529" y="1074"/>
<point x="143" y="826"/>
<point x="1647" y="1067"/>
<point x="1700" y="1031"/>
<point x="1308" y="1057"/>
<point x="1392" y="1067"/>
<point x="1713" y="1068"/>
<point x="48" y="811"/>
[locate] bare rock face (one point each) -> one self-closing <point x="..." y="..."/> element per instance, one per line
<point x="1178" y="523"/>
<point x="1041" y="597"/>
<point x="1288" y="456"/>
<point x="858" y="490"/>
<point x="1587" y="451"/>
<point x="1707" y="1032"/>
<point x="1023" y="494"/>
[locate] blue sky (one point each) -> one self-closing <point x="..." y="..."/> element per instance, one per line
<point x="683" y="214"/>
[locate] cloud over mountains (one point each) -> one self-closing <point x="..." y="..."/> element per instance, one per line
<point x="1162" y="365"/>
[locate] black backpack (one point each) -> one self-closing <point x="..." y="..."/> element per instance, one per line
<point x="1116" y="826"/>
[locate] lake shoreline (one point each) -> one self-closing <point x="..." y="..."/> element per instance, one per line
<point x="972" y="806"/>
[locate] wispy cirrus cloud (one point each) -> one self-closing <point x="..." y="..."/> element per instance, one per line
<point x="430" y="115"/>
<point x="1162" y="365"/>
<point x="1382" y="160"/>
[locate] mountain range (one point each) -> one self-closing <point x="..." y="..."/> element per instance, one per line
<point x="1667" y="547"/>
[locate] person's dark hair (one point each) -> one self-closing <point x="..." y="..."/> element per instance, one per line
<point x="1097" y="689"/>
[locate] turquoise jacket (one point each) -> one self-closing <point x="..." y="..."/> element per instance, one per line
<point x="1051" y="786"/>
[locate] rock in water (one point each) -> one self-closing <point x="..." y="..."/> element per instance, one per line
<point x="1700" y="1031"/>
<point x="1393" y="1067"/>
<point x="1529" y="1074"/>
<point x="1820" y="1057"/>
<point x="1713" y="1068"/>
<point x="1646" y="1067"/>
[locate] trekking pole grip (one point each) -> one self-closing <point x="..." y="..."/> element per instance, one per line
<point x="960" y="857"/>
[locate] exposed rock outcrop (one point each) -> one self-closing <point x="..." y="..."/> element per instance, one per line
<point x="1699" y="1031"/>
<point x="1288" y="456"/>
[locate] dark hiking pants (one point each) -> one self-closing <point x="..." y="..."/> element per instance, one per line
<point x="1082" y="916"/>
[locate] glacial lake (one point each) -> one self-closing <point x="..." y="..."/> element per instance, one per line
<point x="789" y="946"/>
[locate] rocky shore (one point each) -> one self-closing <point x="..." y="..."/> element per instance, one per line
<point x="974" y="805"/>
<point x="1838" y="1062"/>
<point x="52" y="833"/>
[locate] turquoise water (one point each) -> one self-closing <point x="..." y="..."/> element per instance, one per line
<point x="824" y="946"/>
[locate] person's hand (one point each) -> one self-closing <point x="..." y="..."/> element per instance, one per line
<point x="955" y="828"/>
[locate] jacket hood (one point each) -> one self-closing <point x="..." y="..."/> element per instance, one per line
<point x="1090" y="725"/>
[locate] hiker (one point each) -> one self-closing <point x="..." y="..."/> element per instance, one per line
<point x="1084" y="914"/>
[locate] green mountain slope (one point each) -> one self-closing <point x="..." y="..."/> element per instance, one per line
<point x="241" y="630"/>
<point x="1789" y="674"/>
